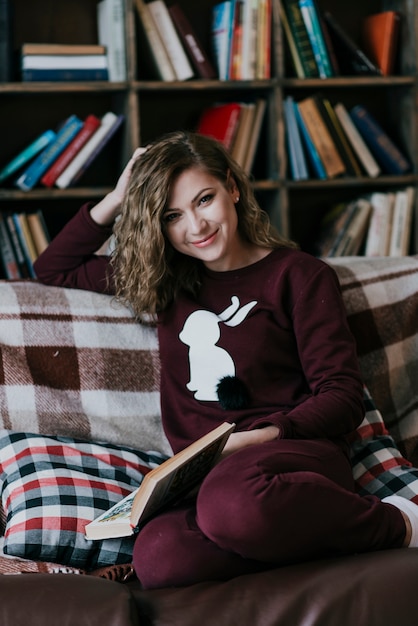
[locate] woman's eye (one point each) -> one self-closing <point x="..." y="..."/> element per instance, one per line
<point x="169" y="217"/>
<point x="205" y="199"/>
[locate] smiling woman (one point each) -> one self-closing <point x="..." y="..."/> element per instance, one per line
<point x="234" y="302"/>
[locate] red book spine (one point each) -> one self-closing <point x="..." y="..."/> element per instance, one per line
<point x="91" y="124"/>
<point x="197" y="54"/>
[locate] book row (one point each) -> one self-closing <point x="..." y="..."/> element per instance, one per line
<point x="60" y="158"/>
<point x="377" y="224"/>
<point x="326" y="140"/>
<point x="319" y="46"/>
<point x="23" y="237"/>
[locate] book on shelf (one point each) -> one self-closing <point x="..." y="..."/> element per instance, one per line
<point x="380" y="227"/>
<point x="358" y="144"/>
<point x="8" y="257"/>
<point x="235" y="55"/>
<point x="380" y="36"/>
<point x="352" y="60"/>
<point x="310" y="147"/>
<point x="402" y="222"/>
<point x="162" y="486"/>
<point x="221" y="25"/>
<point x="90" y="125"/>
<point x="28" y="153"/>
<point x="58" y="49"/>
<point x="26" y="240"/>
<point x="298" y="40"/>
<point x="355" y="230"/>
<point x="6" y="41"/>
<point x="39" y="231"/>
<point x="387" y="154"/>
<point x="264" y="32"/>
<point x="341" y="140"/>
<point x="162" y="64"/>
<point x="64" y="64"/>
<point x="254" y="137"/>
<point x="23" y="268"/>
<point x="297" y="161"/>
<point x="311" y="18"/>
<point x="242" y="135"/>
<point x="249" y="40"/>
<point x="331" y="227"/>
<point x="111" y="34"/>
<point x="109" y="125"/>
<point x="321" y="137"/>
<point x="171" y="40"/>
<point x="30" y="176"/>
<point x="198" y="56"/>
<point x="220" y="121"/>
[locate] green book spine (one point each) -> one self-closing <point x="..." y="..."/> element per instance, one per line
<point x="301" y="38"/>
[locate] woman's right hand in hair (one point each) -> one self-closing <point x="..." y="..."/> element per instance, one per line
<point x="106" y="211"/>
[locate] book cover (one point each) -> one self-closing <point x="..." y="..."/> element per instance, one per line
<point x="162" y="63"/>
<point x="27" y="154"/>
<point x="221" y="122"/>
<point x="30" y="177"/>
<point x="355" y="233"/>
<point x="220" y="34"/>
<point x="321" y="137"/>
<point x="310" y="16"/>
<point x="380" y="227"/>
<point x="297" y="162"/>
<point x="64" y="62"/>
<point x="90" y="125"/>
<point x="199" y="58"/>
<point x="293" y="15"/>
<point x="109" y="125"/>
<point x="359" y="146"/>
<point x="402" y="222"/>
<point x="162" y="486"/>
<point x="64" y="75"/>
<point x="171" y="40"/>
<point x="352" y="60"/>
<point x="8" y="258"/>
<point x="58" y="48"/>
<point x="380" y="35"/>
<point x="381" y="145"/>
<point x="111" y="34"/>
<point x="313" y="154"/>
<point x="6" y="41"/>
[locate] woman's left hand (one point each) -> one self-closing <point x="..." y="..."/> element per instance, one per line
<point x="247" y="438"/>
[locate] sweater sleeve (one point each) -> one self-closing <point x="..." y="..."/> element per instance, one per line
<point x="70" y="259"/>
<point x="327" y="351"/>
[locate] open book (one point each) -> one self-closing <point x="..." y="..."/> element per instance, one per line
<point x="161" y="486"/>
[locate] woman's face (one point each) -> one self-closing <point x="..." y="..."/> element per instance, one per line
<point x="201" y="220"/>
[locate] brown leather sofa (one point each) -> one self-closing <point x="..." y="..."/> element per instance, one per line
<point x="374" y="589"/>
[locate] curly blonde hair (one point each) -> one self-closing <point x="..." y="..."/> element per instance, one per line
<point x="148" y="271"/>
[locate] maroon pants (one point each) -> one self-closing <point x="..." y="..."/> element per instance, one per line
<point x="280" y="502"/>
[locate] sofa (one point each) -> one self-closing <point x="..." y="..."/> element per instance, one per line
<point x="80" y="426"/>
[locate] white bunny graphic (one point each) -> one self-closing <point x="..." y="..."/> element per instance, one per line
<point x="208" y="362"/>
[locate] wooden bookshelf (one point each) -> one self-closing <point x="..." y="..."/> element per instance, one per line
<point x="152" y="107"/>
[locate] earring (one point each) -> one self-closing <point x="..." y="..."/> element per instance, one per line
<point x="236" y="199"/>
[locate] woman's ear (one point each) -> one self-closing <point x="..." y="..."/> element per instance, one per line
<point x="233" y="188"/>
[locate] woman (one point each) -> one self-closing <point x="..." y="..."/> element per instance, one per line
<point x="251" y="331"/>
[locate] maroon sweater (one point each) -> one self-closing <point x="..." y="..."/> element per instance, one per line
<point x="279" y="326"/>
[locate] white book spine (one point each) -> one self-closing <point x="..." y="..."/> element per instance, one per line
<point x="111" y="30"/>
<point x="74" y="166"/>
<point x="162" y="60"/>
<point x="170" y="39"/>
<point x="365" y="156"/>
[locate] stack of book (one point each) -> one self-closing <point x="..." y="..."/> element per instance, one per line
<point x="173" y="44"/>
<point x="23" y="237"/>
<point x="61" y="157"/>
<point x="327" y="141"/>
<point x="378" y="224"/>
<point x="241" y="39"/>
<point x="237" y="125"/>
<point x="60" y="62"/>
<point x="319" y="46"/>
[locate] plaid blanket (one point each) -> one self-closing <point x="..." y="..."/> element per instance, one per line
<point x="77" y="364"/>
<point x="381" y="298"/>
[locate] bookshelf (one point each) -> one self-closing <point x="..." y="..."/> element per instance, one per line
<point x="152" y="107"/>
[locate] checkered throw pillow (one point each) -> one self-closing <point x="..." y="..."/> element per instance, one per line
<point x="52" y="486"/>
<point x="378" y="466"/>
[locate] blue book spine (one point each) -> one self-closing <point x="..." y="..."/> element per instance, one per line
<point x="38" y="167"/>
<point x="23" y="245"/>
<point x="386" y="152"/>
<point x="312" y="152"/>
<point x="57" y="75"/>
<point x="314" y="30"/>
<point x="295" y="148"/>
<point x="27" y="154"/>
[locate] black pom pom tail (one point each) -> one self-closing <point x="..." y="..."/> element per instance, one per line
<point x="232" y="393"/>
